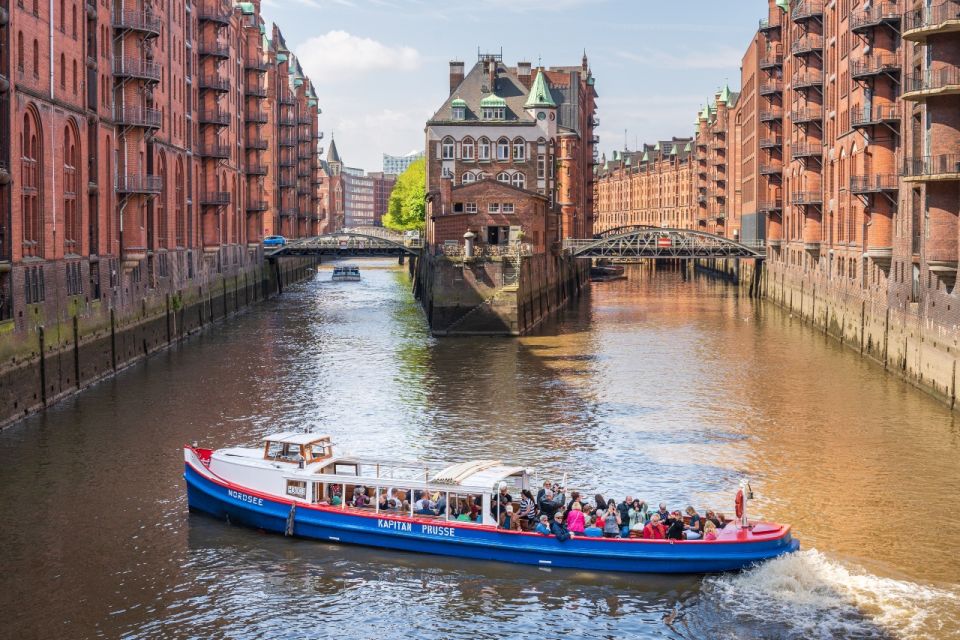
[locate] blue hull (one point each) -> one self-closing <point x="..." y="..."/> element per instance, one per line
<point x="466" y="541"/>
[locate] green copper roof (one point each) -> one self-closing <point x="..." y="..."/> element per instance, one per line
<point x="246" y="7"/>
<point x="646" y="156"/>
<point x="281" y="57"/>
<point x="540" y="95"/>
<point x="725" y="94"/>
<point x="616" y="154"/>
<point x="493" y="100"/>
<point x="688" y="148"/>
<point x="297" y="82"/>
<point x="312" y="102"/>
<point x="705" y="114"/>
<point x="627" y="161"/>
<point x="784" y="4"/>
<point x="458" y="102"/>
<point x="656" y="147"/>
<point x="673" y="151"/>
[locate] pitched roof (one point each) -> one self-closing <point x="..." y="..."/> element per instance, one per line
<point x="540" y="95"/>
<point x="474" y="88"/>
<point x="332" y="154"/>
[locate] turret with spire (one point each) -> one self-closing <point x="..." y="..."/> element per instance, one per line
<point x="333" y="157"/>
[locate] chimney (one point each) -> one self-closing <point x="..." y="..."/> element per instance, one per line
<point x="523" y="74"/>
<point x="492" y="75"/>
<point x="456" y="75"/>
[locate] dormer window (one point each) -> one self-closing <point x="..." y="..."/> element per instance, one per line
<point x="459" y="113"/>
<point x="494" y="113"/>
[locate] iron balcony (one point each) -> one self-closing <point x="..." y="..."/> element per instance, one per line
<point x="770" y="206"/>
<point x="806" y="150"/>
<point x="254" y="206"/>
<point x="255" y="90"/>
<point x="287" y="161"/>
<point x="771" y="115"/>
<point x="289" y="212"/>
<point x="870" y="66"/>
<point x="771" y="60"/>
<point x="807" y="9"/>
<point x="214" y="198"/>
<point x="944" y="167"/>
<point x="882" y="13"/>
<point x="214" y="116"/>
<point x="935" y="82"/>
<point x="142" y="184"/>
<point x="811" y="43"/>
<point x="771" y="87"/>
<point x="771" y="142"/>
<point x="773" y="168"/>
<point x="215" y="83"/>
<point x="144" y="21"/>
<point x="941" y="18"/>
<point x="286" y="120"/>
<point x="214" y="150"/>
<point x="305" y="118"/>
<point x="257" y="116"/>
<point x="864" y="117"/>
<point x="259" y="144"/>
<point x="129" y="67"/>
<point x="217" y="15"/>
<point x="133" y="116"/>
<point x="255" y="65"/>
<point x="214" y="50"/>
<point x="802" y="116"/>
<point x="769" y="25"/>
<point x="256" y="169"/>
<point x="807" y="198"/>
<point x="287" y="99"/>
<point x="286" y="182"/>
<point x="287" y="141"/>
<point x="874" y="183"/>
<point x="807" y="79"/>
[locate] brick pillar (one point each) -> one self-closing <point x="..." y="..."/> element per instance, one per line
<point x="941" y="235"/>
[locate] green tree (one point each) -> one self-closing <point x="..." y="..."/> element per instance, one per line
<point x="408" y="200"/>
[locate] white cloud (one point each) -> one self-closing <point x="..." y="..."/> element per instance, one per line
<point x="338" y="54"/>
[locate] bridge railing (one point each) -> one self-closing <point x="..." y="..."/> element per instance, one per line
<point x="661" y="242"/>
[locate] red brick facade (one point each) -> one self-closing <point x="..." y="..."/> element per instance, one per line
<point x="145" y="155"/>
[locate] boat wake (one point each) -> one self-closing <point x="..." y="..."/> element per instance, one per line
<point x="809" y="595"/>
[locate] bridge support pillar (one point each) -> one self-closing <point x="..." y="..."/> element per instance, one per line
<point x="400" y="260"/>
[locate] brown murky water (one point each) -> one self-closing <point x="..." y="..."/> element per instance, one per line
<point x="666" y="388"/>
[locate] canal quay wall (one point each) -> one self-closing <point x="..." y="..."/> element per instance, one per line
<point x="67" y="343"/>
<point x="920" y="350"/>
<point x="495" y="296"/>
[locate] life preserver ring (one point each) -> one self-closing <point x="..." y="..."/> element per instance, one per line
<point x="739" y="503"/>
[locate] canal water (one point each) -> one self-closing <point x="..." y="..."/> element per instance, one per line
<point x="659" y="386"/>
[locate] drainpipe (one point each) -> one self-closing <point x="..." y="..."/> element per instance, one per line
<point x="51" y="52"/>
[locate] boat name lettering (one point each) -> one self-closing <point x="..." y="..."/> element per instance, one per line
<point x="394" y="524"/>
<point x="242" y="497"/>
<point x="434" y="530"/>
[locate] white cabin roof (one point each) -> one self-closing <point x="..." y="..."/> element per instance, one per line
<point x="293" y="437"/>
<point x="475" y="473"/>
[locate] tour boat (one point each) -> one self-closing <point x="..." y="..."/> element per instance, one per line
<point x="291" y="485"/>
<point x="346" y="273"/>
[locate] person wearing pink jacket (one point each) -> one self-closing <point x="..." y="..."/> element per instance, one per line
<point x="575" y="519"/>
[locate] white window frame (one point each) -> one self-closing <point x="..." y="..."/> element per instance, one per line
<point x="483" y="150"/>
<point x="503" y="150"/>
<point x="503" y="177"/>
<point x="470" y="207"/>
<point x="506" y="207"/>
<point x="459" y="113"/>
<point x="519" y="180"/>
<point x="519" y="150"/>
<point x="541" y="167"/>
<point x="493" y="207"/>
<point x="447" y="149"/>
<point x="468" y="178"/>
<point x="466" y="149"/>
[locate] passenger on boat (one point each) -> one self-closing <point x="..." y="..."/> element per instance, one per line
<point x="335" y="501"/>
<point x="528" y="510"/>
<point x="547" y="486"/>
<point x="593" y="530"/>
<point x="475" y="508"/>
<point x="611" y="521"/>
<point x="654" y="529"/>
<point x="575" y="519"/>
<point x="502" y="498"/>
<point x="549" y="505"/>
<point x="638" y="514"/>
<point x="709" y="530"/>
<point x="360" y="498"/>
<point x="425" y="506"/>
<point x="712" y="517"/>
<point x="543" y="526"/>
<point x="508" y="520"/>
<point x="599" y="503"/>
<point x="675" y="531"/>
<point x="663" y="513"/>
<point x="693" y="528"/>
<point x="441" y="500"/>
<point x="383" y="504"/>
<point x="623" y="509"/>
<point x="559" y="529"/>
<point x="574" y="497"/>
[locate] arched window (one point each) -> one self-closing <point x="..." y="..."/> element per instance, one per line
<point x="179" y="205"/>
<point x="468" y="177"/>
<point x="483" y="149"/>
<point x="63" y="16"/>
<point x="36" y="59"/>
<point x="503" y="149"/>
<point x="446" y="149"/>
<point x="71" y="212"/>
<point x="63" y="71"/>
<point x="74" y="21"/>
<point x="519" y="180"/>
<point x="74" y="77"/>
<point x="519" y="149"/>
<point x="20" y="51"/>
<point x="466" y="149"/>
<point x="163" y="228"/>
<point x="31" y="159"/>
<point x="503" y="176"/>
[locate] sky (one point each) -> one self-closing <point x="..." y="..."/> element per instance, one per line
<point x="381" y="66"/>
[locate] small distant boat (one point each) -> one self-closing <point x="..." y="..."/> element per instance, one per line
<point x="605" y="272"/>
<point x="295" y="484"/>
<point x="346" y="273"/>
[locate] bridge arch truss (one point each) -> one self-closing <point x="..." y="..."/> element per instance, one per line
<point x="660" y="243"/>
<point x="351" y="242"/>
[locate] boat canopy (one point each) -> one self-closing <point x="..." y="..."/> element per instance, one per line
<point x="476" y="473"/>
<point x="293" y="437"/>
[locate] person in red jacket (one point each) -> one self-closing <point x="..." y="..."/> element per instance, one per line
<point x="654" y="529"/>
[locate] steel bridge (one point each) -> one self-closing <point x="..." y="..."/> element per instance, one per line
<point x="360" y="242"/>
<point x="660" y="243"/>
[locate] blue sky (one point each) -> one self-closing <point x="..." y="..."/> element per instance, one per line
<point x="380" y="66"/>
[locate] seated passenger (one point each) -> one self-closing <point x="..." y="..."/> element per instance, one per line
<point x="654" y="529"/>
<point x="502" y="499"/>
<point x="546" y="487"/>
<point x="693" y="526"/>
<point x="383" y="504"/>
<point x="548" y="506"/>
<point x="528" y="509"/>
<point x="335" y="501"/>
<point x="638" y="515"/>
<point x="425" y="506"/>
<point x="611" y="521"/>
<point x="574" y="497"/>
<point x="709" y="530"/>
<point x="593" y="531"/>
<point x="663" y="513"/>
<point x="509" y="520"/>
<point x="599" y="503"/>
<point x="360" y="498"/>
<point x="543" y="526"/>
<point x="441" y="501"/>
<point x="675" y="532"/>
<point x="575" y="520"/>
<point x="712" y="517"/>
<point x="559" y="529"/>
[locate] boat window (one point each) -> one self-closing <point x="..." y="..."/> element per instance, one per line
<point x="346" y="469"/>
<point x="283" y="451"/>
<point x="297" y="488"/>
<point x="318" y="450"/>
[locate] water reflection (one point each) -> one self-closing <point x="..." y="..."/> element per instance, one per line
<point x="659" y="386"/>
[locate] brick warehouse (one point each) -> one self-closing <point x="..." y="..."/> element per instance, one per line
<point x="842" y="152"/>
<point x="147" y="148"/>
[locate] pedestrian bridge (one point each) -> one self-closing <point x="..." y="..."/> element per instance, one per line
<point x="359" y="241"/>
<point x="660" y="243"/>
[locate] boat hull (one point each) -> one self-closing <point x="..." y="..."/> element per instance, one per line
<point x="219" y="498"/>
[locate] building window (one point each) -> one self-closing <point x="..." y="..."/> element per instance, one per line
<point x="466" y="149"/>
<point x="31" y="160"/>
<point x="20" y="51"/>
<point x="503" y="149"/>
<point x="493" y="207"/>
<point x="519" y="150"/>
<point x="36" y="59"/>
<point x="519" y="180"/>
<point x="459" y="113"/>
<point x="458" y="207"/>
<point x="483" y="148"/>
<point x="63" y="71"/>
<point x="504" y="177"/>
<point x="494" y="113"/>
<point x="178" y="204"/>
<point x="71" y="217"/>
<point x="468" y="177"/>
<point x="471" y="207"/>
<point x="507" y="207"/>
<point x="446" y="149"/>
<point x="446" y="172"/>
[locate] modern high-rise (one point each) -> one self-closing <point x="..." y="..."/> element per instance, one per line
<point x="398" y="164"/>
